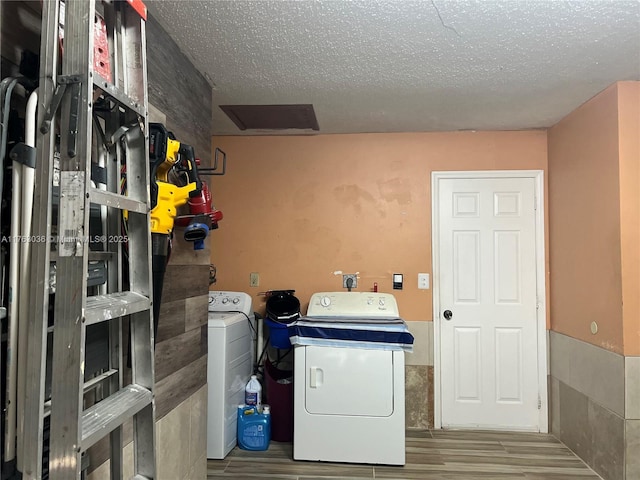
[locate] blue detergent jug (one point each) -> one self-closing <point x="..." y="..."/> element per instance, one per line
<point x="254" y="428"/>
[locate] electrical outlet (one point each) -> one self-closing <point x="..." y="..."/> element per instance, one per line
<point x="423" y="281"/>
<point x="351" y="276"/>
<point x="254" y="279"/>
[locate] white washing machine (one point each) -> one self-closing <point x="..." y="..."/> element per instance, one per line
<point x="231" y="355"/>
<point x="349" y="379"/>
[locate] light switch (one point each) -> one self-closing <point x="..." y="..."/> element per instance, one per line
<point x="423" y="281"/>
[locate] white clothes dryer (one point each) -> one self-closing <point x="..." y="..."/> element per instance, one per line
<point x="349" y="379"/>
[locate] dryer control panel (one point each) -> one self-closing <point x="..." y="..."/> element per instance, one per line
<point x="352" y="304"/>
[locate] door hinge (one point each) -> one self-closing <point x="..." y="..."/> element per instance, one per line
<point x="535" y="203"/>
<point x="539" y="403"/>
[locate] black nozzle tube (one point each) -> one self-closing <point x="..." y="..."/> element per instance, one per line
<point x="196" y="232"/>
<point x="159" y="260"/>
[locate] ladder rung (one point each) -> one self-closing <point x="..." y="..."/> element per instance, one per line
<point x="104" y="417"/>
<point x="88" y="385"/>
<point x="94" y="255"/>
<point x="114" y="200"/>
<point x="101" y="308"/>
<point x="95" y="381"/>
<point x="117" y="94"/>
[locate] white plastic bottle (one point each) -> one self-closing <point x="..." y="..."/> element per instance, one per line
<point x="253" y="392"/>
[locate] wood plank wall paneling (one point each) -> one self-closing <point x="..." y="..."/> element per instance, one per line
<point x="184" y="281"/>
<point x="178" y="352"/>
<point x="196" y="311"/>
<point x="179" y="91"/>
<point x="174" y="389"/>
<point x="173" y="320"/>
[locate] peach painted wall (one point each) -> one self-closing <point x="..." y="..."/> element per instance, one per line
<point x="629" y="136"/>
<point x="584" y="223"/>
<point x="299" y="208"/>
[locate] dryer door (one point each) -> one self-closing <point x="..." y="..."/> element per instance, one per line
<point x="348" y="381"/>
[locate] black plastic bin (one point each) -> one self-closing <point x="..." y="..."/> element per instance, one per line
<point x="283" y="308"/>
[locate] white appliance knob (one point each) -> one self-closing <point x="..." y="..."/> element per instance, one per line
<point x="381" y="302"/>
<point x="225" y="300"/>
<point x="236" y="301"/>
<point x="369" y="301"/>
<point x="325" y="301"/>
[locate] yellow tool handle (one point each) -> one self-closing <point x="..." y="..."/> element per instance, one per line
<point x="170" y="197"/>
<point x="162" y="173"/>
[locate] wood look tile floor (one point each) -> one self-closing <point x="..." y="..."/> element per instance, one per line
<point x="433" y="455"/>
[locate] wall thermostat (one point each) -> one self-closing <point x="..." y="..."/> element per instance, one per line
<point x="397" y="281"/>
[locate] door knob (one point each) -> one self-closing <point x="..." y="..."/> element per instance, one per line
<point x="447" y="314"/>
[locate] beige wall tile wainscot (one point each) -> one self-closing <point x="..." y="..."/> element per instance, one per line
<point x="422" y="345"/>
<point x="632" y="388"/>
<point x="596" y="372"/>
<point x="181" y="443"/>
<point x="632" y="454"/>
<point x="581" y="413"/>
<point x="417" y="396"/>
<point x="198" y="427"/>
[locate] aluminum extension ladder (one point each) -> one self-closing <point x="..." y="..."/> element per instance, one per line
<point x="101" y="92"/>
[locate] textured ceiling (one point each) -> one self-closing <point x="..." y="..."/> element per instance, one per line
<point x="407" y="66"/>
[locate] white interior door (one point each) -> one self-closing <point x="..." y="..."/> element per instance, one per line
<point x="487" y="323"/>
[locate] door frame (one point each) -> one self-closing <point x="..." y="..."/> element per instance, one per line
<point x="541" y="316"/>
